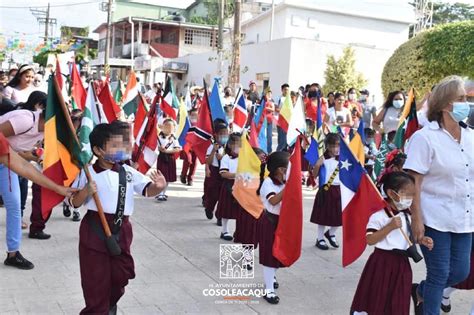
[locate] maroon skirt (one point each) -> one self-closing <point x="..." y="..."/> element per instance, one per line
<point x="212" y="186"/>
<point x="267" y="225"/>
<point x="227" y="207"/>
<point x="166" y="164"/>
<point x="327" y="208"/>
<point x="245" y="228"/>
<point x="467" y="284"/>
<point x="385" y="285"/>
<point x="304" y="162"/>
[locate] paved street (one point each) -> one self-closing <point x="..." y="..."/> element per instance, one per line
<point x="176" y="252"/>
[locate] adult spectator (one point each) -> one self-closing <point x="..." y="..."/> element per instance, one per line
<point x="441" y="158"/>
<point x="253" y="94"/>
<point x="388" y="118"/>
<point x="331" y="99"/>
<point x="369" y="110"/>
<point x="21" y="85"/>
<point x="268" y="112"/>
<point x="338" y="116"/>
<point x="354" y="106"/>
<point x="229" y="98"/>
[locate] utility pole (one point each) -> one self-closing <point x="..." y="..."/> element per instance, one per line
<point x="44" y="17"/>
<point x="46" y="26"/>
<point x="107" y="7"/>
<point x="220" y="37"/>
<point x="272" y="20"/>
<point x="234" y="75"/>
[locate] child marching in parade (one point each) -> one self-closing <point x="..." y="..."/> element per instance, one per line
<point x="228" y="208"/>
<point x="386" y="282"/>
<point x="327" y="210"/>
<point x="104" y="275"/>
<point x="271" y="194"/>
<point x="168" y="146"/>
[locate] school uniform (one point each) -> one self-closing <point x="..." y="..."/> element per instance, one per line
<point x="104" y="277"/>
<point x="268" y="222"/>
<point x="468" y="284"/>
<point x="227" y="207"/>
<point x="370" y="149"/>
<point x="327" y="209"/>
<point x="166" y="163"/>
<point x="385" y="284"/>
<point x="213" y="183"/>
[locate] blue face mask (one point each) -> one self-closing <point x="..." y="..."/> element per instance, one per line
<point x="397" y="103"/>
<point x="460" y="111"/>
<point x="117" y="157"/>
<point x="222" y="140"/>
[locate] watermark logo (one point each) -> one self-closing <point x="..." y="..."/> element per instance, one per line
<point x="236" y="261"/>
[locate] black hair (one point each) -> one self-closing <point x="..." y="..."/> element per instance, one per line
<point x="391" y="135"/>
<point x="396" y="181"/>
<point x="351" y="90"/>
<point x="369" y="132"/>
<point x="331" y="138"/>
<point x="233" y="137"/>
<point x="338" y="94"/>
<point x="329" y="94"/>
<point x="17" y="78"/>
<point x="389" y="101"/>
<point x="285" y="85"/>
<point x="228" y="109"/>
<point x="219" y="124"/>
<point x="293" y="93"/>
<point x="274" y="161"/>
<point x="36" y="97"/>
<point x="11" y="70"/>
<point x="100" y="135"/>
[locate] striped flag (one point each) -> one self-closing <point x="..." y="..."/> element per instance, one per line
<point x="97" y="112"/>
<point x="169" y="102"/>
<point x="130" y="98"/>
<point x="240" y="113"/>
<point x="110" y="107"/>
<point x="183" y="124"/>
<point x="316" y="148"/>
<point x="84" y="156"/>
<point x="286" y="110"/>
<point x="78" y="92"/>
<point x="408" y="124"/>
<point x="59" y="146"/>
<point x="357" y="140"/>
<point x="118" y="94"/>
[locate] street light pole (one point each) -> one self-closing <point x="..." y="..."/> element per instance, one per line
<point x="107" y="39"/>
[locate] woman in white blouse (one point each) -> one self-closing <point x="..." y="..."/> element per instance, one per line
<point x="389" y="117"/>
<point x="441" y="158"/>
<point x="20" y="87"/>
<point x="338" y="115"/>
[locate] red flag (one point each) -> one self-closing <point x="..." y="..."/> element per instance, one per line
<point x="146" y="136"/>
<point x="289" y="232"/>
<point x="253" y="137"/>
<point x="111" y="110"/>
<point x="59" y="75"/>
<point x="199" y="136"/>
<point x="79" y="93"/>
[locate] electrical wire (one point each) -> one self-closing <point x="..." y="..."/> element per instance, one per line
<point x="51" y="6"/>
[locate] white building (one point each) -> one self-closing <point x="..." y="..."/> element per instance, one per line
<point x="304" y="34"/>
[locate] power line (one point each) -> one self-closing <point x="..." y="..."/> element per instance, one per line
<point x="52" y="6"/>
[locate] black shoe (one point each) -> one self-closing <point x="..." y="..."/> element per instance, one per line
<point x="418" y="306"/>
<point x="113" y="310"/>
<point x="76" y="216"/>
<point x="19" y="262"/>
<point x="276" y="285"/>
<point x="249" y="267"/>
<point x="190" y="182"/>
<point x="40" y="235"/>
<point x="321" y="244"/>
<point x="219" y="222"/>
<point x="332" y="239"/>
<point x="66" y="210"/>
<point x="226" y="236"/>
<point x="446" y="308"/>
<point x="273" y="299"/>
<point x="183" y="179"/>
<point x="203" y="203"/>
<point x="209" y="214"/>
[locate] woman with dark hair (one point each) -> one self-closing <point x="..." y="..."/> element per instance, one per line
<point x="353" y="105"/>
<point x="338" y="116"/>
<point x="20" y="87"/>
<point x="388" y="118"/>
<point x="331" y="100"/>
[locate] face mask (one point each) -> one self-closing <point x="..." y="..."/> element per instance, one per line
<point x="397" y="103"/>
<point x="312" y="94"/>
<point x="370" y="141"/>
<point x="404" y="203"/>
<point x="363" y="98"/>
<point x="460" y="111"/>
<point x="223" y="140"/>
<point x="118" y="156"/>
<point x="352" y="96"/>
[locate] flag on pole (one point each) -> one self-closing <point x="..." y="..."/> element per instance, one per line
<point x="98" y="115"/>
<point x="316" y="148"/>
<point x="289" y="232"/>
<point x="247" y="179"/>
<point x="215" y="103"/>
<point x="78" y="92"/>
<point x="408" y="124"/>
<point x="59" y="147"/>
<point x="84" y="156"/>
<point x="286" y="110"/>
<point x="359" y="199"/>
<point x="118" y="94"/>
<point x="169" y="102"/>
<point x="381" y="156"/>
<point x="240" y="113"/>
<point x="297" y="123"/>
<point x="356" y="143"/>
<point x="146" y="135"/>
<point x="110" y="108"/>
<point x="59" y="75"/>
<point x="183" y="124"/>
<point x="130" y="98"/>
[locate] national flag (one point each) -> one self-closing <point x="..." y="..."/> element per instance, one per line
<point x="78" y="92"/>
<point x="59" y="75"/>
<point x="262" y="137"/>
<point x="359" y="199"/>
<point x="240" y="113"/>
<point x="199" y="136"/>
<point x="146" y="135"/>
<point x="183" y="124"/>
<point x="356" y="143"/>
<point x="84" y="156"/>
<point x="286" y="110"/>
<point x="316" y="148"/>
<point x="381" y="156"/>
<point x="118" y="94"/>
<point x="130" y="98"/>
<point x="289" y="232"/>
<point x="169" y="102"/>
<point x="98" y="115"/>
<point x="59" y="146"/>
<point x="110" y="108"/>
<point x="408" y="124"/>
<point x="215" y="103"/>
<point x="297" y="123"/>
<point x="247" y="179"/>
<point x="259" y="116"/>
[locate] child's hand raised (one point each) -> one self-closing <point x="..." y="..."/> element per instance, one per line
<point x="158" y="179"/>
<point x="427" y="242"/>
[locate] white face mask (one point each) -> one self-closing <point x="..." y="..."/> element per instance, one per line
<point x="352" y="96"/>
<point x="397" y="103"/>
<point x="404" y="203"/>
<point x="363" y="98"/>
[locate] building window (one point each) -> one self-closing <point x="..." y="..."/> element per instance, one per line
<point x="297" y="20"/>
<point x="102" y="44"/>
<point x="312" y="23"/>
<point x="199" y="38"/>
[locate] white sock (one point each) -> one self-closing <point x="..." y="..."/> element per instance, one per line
<point x="225" y="229"/>
<point x="163" y="192"/>
<point x="269" y="278"/>
<point x="332" y="230"/>
<point x="321" y="230"/>
<point x="446" y="294"/>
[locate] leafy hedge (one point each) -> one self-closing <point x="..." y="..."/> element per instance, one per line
<point x="430" y="56"/>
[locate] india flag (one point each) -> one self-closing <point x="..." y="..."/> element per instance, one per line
<point x="130" y="98"/>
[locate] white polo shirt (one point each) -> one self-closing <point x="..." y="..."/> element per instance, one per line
<point x="215" y="161"/>
<point x="269" y="189"/>
<point x="447" y="191"/>
<point x="229" y="164"/>
<point x="394" y="239"/>
<point x="107" y="188"/>
<point x="331" y="165"/>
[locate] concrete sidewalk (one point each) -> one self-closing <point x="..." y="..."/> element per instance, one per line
<point x="176" y="251"/>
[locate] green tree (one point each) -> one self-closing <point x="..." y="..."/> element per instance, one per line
<point x="212" y="7"/>
<point x="42" y="57"/>
<point x="341" y="75"/>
